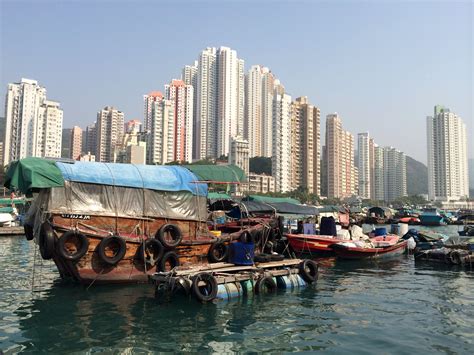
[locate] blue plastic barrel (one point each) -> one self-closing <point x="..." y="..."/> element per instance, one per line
<point x="380" y="231"/>
<point x="247" y="288"/>
<point x="241" y="254"/>
<point x="229" y="291"/>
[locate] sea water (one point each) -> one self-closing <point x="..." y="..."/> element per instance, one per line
<point x="396" y="306"/>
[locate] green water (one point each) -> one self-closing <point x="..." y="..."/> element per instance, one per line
<point x="396" y="306"/>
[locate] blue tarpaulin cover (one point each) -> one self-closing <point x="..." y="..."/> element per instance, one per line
<point x="153" y="177"/>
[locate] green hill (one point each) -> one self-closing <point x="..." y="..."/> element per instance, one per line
<point x="417" y="177"/>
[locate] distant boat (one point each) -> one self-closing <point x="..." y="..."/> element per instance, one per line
<point x="431" y="217"/>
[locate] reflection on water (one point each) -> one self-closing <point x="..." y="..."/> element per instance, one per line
<point x="393" y="306"/>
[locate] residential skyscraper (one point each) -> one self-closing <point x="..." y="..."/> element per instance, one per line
<point x="281" y="158"/>
<point x="147" y="108"/>
<point x="110" y="130"/>
<point x="66" y="143"/>
<point x="258" y="124"/>
<point x="76" y="143"/>
<point x="395" y="174"/>
<point x="91" y="139"/>
<point x="364" y="164"/>
<point x="33" y="125"/>
<point x="161" y="135"/>
<point x="182" y="96"/>
<point x="230" y="98"/>
<point x="341" y="172"/>
<point x="305" y="146"/>
<point x="378" y="181"/>
<point x="447" y="156"/>
<point x="205" y="142"/>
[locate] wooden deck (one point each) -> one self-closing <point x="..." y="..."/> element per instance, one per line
<point x="11" y="231"/>
<point x="225" y="272"/>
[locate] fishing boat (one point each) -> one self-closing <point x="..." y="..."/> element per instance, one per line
<point x="380" y="247"/>
<point x="431" y="217"/>
<point x="104" y="222"/>
<point x="312" y="244"/>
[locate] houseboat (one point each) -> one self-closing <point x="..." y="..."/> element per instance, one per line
<point x="104" y="222"/>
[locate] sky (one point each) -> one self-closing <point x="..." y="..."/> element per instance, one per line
<point x="382" y="65"/>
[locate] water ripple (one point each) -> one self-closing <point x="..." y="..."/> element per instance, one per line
<point x="395" y="307"/>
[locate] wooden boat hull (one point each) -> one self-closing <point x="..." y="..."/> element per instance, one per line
<point x="344" y="252"/>
<point x="312" y="244"/>
<point x="193" y="249"/>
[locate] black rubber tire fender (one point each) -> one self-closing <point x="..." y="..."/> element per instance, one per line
<point x="261" y="258"/>
<point x="265" y="284"/>
<point x="169" y="257"/>
<point x="246" y="237"/>
<point x="181" y="285"/>
<point x="81" y="250"/>
<point x="309" y="270"/>
<point x="175" y="233"/>
<point x="153" y="252"/>
<point x="207" y="292"/>
<point x="46" y="241"/>
<point x="218" y="252"/>
<point x="119" y="253"/>
<point x="29" y="235"/>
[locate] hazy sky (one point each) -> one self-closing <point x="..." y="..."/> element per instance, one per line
<point x="382" y="65"/>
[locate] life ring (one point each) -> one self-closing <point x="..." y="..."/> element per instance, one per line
<point x="78" y="241"/>
<point x="153" y="252"/>
<point x="218" y="252"/>
<point x="204" y="287"/>
<point x="28" y="231"/>
<point x="173" y="231"/>
<point x="309" y="270"/>
<point x="46" y="241"/>
<point x="246" y="237"/>
<point x="265" y="284"/>
<point x="169" y="261"/>
<point x="114" y="244"/>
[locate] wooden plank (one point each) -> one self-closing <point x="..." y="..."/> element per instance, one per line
<point x="8" y="231"/>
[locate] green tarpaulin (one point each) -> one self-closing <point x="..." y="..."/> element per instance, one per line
<point x="218" y="173"/>
<point x="218" y="196"/>
<point x="8" y="201"/>
<point x="32" y="173"/>
<point x="269" y="199"/>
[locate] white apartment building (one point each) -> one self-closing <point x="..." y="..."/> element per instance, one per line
<point x="230" y="98"/>
<point x="281" y="158"/>
<point x="258" y="125"/>
<point x="161" y="134"/>
<point x="341" y="172"/>
<point x="205" y="128"/>
<point x="49" y="130"/>
<point x="76" y="143"/>
<point x="182" y="96"/>
<point x="447" y="156"/>
<point x="378" y="181"/>
<point x="31" y="122"/>
<point x="261" y="183"/>
<point x="395" y="174"/>
<point x="305" y="146"/>
<point x="364" y="165"/>
<point x="109" y="134"/>
<point x="148" y="101"/>
<point x="239" y="153"/>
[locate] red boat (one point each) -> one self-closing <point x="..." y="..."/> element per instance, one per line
<point x="311" y="244"/>
<point x="344" y="251"/>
